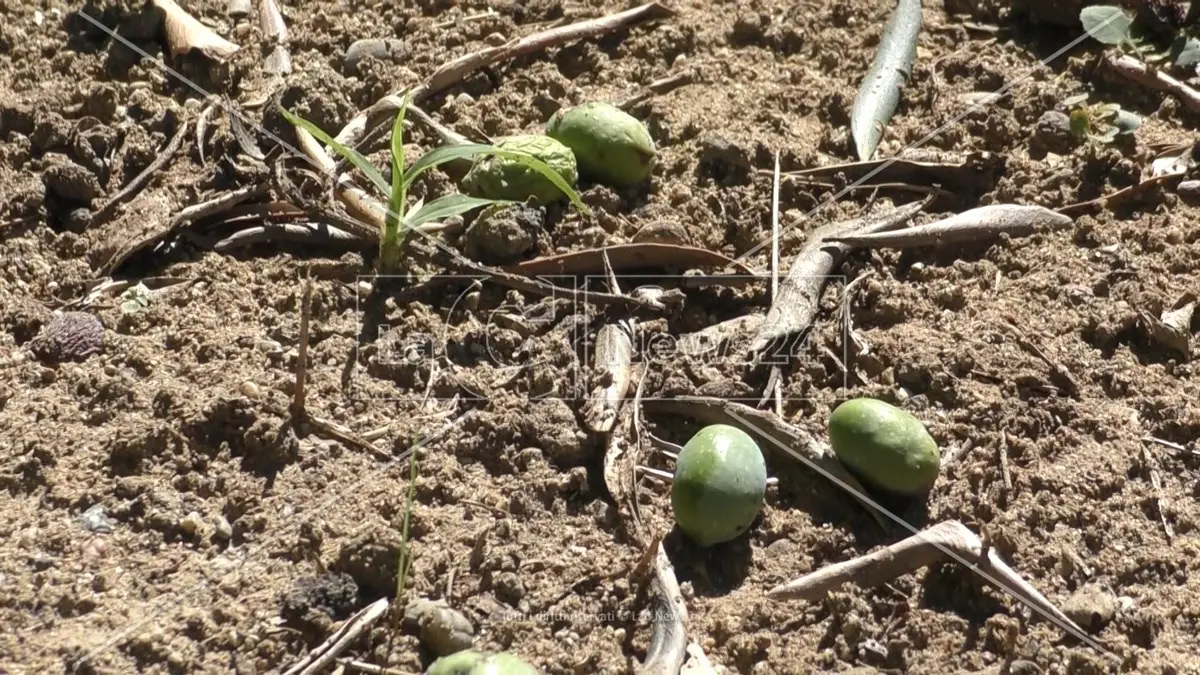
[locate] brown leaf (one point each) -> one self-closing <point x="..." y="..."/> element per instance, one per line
<point x="185" y="33"/>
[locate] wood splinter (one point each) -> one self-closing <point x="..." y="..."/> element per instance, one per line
<point x="930" y="546"/>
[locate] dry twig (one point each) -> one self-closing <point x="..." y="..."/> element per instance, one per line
<point x="794" y="309"/>
<point x="1154" y="78"/>
<point x="139" y="181"/>
<point x="351" y="630"/>
<point x="298" y="410"/>
<point x="932" y="545"/>
<point x="458" y="69"/>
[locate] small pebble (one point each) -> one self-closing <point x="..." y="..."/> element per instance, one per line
<point x="191" y="523"/>
<point x="95" y="520"/>
<point x="1189" y="190"/>
<point x="222" y="529"/>
<point x="251" y="390"/>
<point x="372" y="48"/>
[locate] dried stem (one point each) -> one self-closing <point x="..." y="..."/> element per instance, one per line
<point x="105" y="211"/>
<point x="458" y="69"/>
<point x="1141" y="73"/>
<point x="794" y="309"/>
<point x="948" y="539"/>
<point x="328" y="651"/>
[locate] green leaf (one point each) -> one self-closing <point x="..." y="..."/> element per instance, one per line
<point x="389" y="243"/>
<point x="350" y="154"/>
<point x="450" y="153"/>
<point x="879" y="93"/>
<point x="447" y="206"/>
<point x="1108" y="25"/>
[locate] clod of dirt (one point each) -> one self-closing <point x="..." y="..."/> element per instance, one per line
<point x="504" y="235"/>
<point x="1052" y="133"/>
<point x="1189" y="190"/>
<point x="69" y="182"/>
<point x="1091" y="607"/>
<point x="70" y="336"/>
<point x="334" y="594"/>
<point x="372" y="48"/>
<point x="551" y="425"/>
<point x="724" y="162"/>
<point x="662" y="232"/>
<point x="372" y="560"/>
<point x="443" y="630"/>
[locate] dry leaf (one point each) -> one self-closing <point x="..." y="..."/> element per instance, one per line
<point x="185" y="33"/>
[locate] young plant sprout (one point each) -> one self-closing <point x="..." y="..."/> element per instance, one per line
<point x="888" y="448"/>
<point x="719" y="484"/>
<point x="1101" y="122"/>
<point x="400" y="216"/>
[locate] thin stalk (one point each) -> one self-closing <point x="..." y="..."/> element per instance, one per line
<point x="389" y="243"/>
<point x="405" y="555"/>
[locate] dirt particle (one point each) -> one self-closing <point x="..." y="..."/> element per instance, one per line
<point x="69" y="182"/>
<point x="1052" y="133"/>
<point x="504" y="235"/>
<point x="335" y="595"/>
<point x="1091" y="607"/>
<point x="372" y="560"/>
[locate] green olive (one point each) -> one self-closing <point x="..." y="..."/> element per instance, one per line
<point x="471" y="662"/>
<point x="719" y="484"/>
<point x="493" y="177"/>
<point x="610" y="145"/>
<point x="887" y="447"/>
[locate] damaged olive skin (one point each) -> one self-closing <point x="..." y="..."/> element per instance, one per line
<point x="719" y="484"/>
<point x="610" y="145"/>
<point x="887" y="447"/>
<point x="495" y="177"/>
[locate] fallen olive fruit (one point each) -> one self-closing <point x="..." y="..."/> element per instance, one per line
<point x="886" y="446"/>
<point x="610" y="145"/>
<point x="471" y="662"/>
<point x="719" y="484"/>
<point x="495" y="177"/>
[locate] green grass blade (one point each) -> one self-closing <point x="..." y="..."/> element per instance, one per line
<point x="350" y="154"/>
<point x="447" y="206"/>
<point x="405" y="562"/>
<point x="450" y="153"/>
<point x="389" y="243"/>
